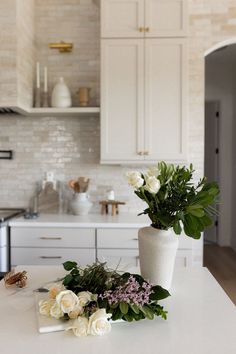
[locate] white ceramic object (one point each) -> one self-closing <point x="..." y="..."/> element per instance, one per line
<point x="157" y="251"/>
<point x="80" y="205"/>
<point x="61" y="97"/>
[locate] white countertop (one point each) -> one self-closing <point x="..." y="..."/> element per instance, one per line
<point x="124" y="220"/>
<point x="201" y="320"/>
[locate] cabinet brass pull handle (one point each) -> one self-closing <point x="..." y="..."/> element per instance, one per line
<point x="135" y="239"/>
<point x="50" y="238"/>
<point x="140" y="153"/>
<point x="50" y="257"/>
<point x="147" y="29"/>
<point x="141" y="29"/>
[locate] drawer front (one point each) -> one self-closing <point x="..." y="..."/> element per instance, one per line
<point x="117" y="238"/>
<point x="51" y="256"/>
<point x="52" y="237"/>
<point x="128" y="238"/>
<point x="183" y="259"/>
<point x="125" y="259"/>
<point x="120" y="258"/>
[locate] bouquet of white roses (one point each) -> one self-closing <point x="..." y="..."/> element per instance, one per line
<point x="93" y="296"/>
<point x="173" y="200"/>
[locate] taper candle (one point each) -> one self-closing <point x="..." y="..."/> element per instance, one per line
<point x="37" y="75"/>
<point x="45" y="79"/>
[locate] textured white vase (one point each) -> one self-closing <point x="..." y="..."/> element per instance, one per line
<point x="80" y="205"/>
<point x="61" y="97"/>
<point x="157" y="252"/>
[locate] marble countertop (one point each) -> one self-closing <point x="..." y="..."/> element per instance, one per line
<point x="123" y="220"/>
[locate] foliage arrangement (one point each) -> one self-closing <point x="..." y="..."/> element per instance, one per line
<point x="95" y="295"/>
<point x="174" y="201"/>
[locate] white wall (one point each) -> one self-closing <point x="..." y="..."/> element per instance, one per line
<point x="220" y="78"/>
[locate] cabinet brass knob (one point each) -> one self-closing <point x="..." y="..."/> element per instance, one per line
<point x="141" y="29"/>
<point x="147" y="29"/>
<point x="140" y="153"/>
<point x="146" y="153"/>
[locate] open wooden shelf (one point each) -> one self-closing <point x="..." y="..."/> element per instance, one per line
<point x="57" y="112"/>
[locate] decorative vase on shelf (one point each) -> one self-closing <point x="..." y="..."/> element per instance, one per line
<point x="157" y="252"/>
<point x="61" y="97"/>
<point x="80" y="204"/>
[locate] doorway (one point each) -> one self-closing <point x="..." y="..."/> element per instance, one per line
<point x="211" y="163"/>
<point x="220" y="124"/>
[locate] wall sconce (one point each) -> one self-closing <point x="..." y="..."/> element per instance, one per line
<point x="62" y="47"/>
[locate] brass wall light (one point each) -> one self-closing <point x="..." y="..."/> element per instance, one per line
<point x="62" y="47"/>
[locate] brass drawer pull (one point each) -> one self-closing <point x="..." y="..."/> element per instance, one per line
<point x="141" y="29"/>
<point x="50" y="238"/>
<point x="140" y="153"/>
<point x="50" y="257"/>
<point x="147" y="29"/>
<point x="146" y="153"/>
<point x="135" y="239"/>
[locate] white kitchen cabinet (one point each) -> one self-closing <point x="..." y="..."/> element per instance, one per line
<point x="51" y="256"/>
<point x="143" y="18"/>
<point x="50" y="246"/>
<point x="143" y="100"/>
<point x="119" y="247"/>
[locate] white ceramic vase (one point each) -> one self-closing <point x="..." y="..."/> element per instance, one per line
<point x="61" y="97"/>
<point x="80" y="205"/>
<point x="157" y="252"/>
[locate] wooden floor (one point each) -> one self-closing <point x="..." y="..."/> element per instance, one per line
<point x="221" y="262"/>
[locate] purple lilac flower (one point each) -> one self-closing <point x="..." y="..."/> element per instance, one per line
<point x="131" y="292"/>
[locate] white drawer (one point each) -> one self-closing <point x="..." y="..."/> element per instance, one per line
<point x="128" y="238"/>
<point x="52" y="237"/>
<point x="51" y="256"/>
<point x="117" y="238"/>
<point x="120" y="258"/>
<point x="184" y="258"/>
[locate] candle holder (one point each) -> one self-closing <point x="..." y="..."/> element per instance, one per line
<point x="45" y="100"/>
<point x="37" y="98"/>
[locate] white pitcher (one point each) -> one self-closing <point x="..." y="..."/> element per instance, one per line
<point x="80" y="204"/>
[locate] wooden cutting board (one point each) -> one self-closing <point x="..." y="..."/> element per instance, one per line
<point x="48" y="200"/>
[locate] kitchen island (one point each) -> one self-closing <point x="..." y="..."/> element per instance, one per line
<point x="201" y="320"/>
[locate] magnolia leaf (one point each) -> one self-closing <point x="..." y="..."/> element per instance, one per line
<point x="159" y="293"/>
<point x="177" y="228"/>
<point x="67" y="279"/>
<point x="69" y="265"/>
<point x="199" y="213"/>
<point x="124" y="307"/>
<point x="147" y="312"/>
<point x="134" y="308"/>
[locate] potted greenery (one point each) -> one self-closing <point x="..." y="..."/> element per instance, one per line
<point x="175" y="203"/>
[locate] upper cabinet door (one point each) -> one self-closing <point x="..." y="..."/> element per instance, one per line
<point x="165" y="99"/>
<point x="122" y="18"/>
<point x="165" y="18"/>
<point x="122" y="91"/>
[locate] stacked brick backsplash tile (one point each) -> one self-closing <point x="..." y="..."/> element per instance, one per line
<point x="70" y="146"/>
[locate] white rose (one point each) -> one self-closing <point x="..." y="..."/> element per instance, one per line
<point x="84" y="298"/>
<point x="45" y="307"/>
<point x="54" y="290"/>
<point x="152" y="185"/>
<point x="56" y="311"/>
<point x="80" y="326"/>
<point x="135" y="179"/>
<point x="98" y="323"/>
<point x="153" y="171"/>
<point x="76" y="312"/>
<point x="67" y="300"/>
